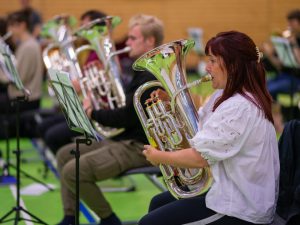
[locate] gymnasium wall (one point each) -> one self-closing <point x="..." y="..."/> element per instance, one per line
<point x="258" y="18"/>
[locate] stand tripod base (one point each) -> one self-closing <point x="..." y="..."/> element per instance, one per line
<point x="18" y="218"/>
<point x="7" y="180"/>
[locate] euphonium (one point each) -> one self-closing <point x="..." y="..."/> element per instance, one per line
<point x="102" y="85"/>
<point x="60" y="52"/>
<point x="168" y="127"/>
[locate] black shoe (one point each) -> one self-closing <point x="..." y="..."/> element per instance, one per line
<point x="67" y="220"/>
<point x="111" y="220"/>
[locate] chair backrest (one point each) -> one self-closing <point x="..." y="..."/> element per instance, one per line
<point x="288" y="204"/>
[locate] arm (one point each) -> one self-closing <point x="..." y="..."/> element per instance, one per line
<point x="185" y="158"/>
<point x="295" y="48"/>
<point x="269" y="52"/>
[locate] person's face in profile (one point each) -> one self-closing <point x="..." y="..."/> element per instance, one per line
<point x="294" y="26"/>
<point x="138" y="44"/>
<point x="215" y="67"/>
<point x="17" y="29"/>
<point x="85" y="20"/>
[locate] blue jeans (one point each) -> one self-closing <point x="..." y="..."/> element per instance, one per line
<point x="283" y="83"/>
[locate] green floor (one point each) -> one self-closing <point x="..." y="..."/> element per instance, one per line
<point x="47" y="207"/>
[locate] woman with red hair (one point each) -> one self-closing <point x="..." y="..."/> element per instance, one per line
<point x="236" y="139"/>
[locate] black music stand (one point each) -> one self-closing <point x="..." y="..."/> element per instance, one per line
<point x="9" y="69"/>
<point x="286" y="56"/>
<point x="76" y="118"/>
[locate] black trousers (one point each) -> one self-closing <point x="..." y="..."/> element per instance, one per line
<point x="8" y="117"/>
<point x="55" y="132"/>
<point x="164" y="209"/>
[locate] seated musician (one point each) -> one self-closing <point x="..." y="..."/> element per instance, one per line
<point x="288" y="79"/>
<point x="54" y="130"/>
<point x="28" y="64"/>
<point x="110" y="157"/>
<point x="236" y="139"/>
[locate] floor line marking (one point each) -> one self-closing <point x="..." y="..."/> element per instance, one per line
<point x="25" y="216"/>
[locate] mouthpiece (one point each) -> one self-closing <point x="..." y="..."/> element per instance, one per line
<point x="206" y="78"/>
<point x="127" y="49"/>
<point x="121" y="51"/>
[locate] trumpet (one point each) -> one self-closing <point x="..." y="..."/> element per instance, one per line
<point x="169" y="126"/>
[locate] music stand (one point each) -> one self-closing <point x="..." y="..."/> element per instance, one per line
<point x="284" y="51"/>
<point x="76" y="118"/>
<point x="286" y="56"/>
<point x="8" y="67"/>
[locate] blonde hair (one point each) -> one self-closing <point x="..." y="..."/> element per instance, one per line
<point x="150" y="26"/>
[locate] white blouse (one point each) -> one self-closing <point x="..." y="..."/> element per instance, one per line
<point x="241" y="148"/>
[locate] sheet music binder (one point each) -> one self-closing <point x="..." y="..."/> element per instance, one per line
<point x="284" y="52"/>
<point x="69" y="102"/>
<point x="7" y="65"/>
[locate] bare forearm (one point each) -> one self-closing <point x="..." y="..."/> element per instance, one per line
<point x="186" y="158"/>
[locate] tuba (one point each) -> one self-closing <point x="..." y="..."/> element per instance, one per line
<point x="102" y="85"/>
<point x="169" y="125"/>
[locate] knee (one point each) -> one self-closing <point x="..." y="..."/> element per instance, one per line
<point x="50" y="135"/>
<point x="53" y="139"/>
<point x="63" y="156"/>
<point x="155" y="203"/>
<point x="68" y="175"/>
<point x="145" y="220"/>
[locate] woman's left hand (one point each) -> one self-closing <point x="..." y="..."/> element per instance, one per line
<point x="151" y="154"/>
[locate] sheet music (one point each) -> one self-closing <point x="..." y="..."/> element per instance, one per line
<point x="196" y="34"/>
<point x="75" y="115"/>
<point x="284" y="52"/>
<point x="7" y="65"/>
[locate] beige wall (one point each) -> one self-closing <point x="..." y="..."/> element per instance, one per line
<point x="258" y="18"/>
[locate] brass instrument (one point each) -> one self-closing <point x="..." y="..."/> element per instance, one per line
<point x="60" y="52"/>
<point x="169" y="127"/>
<point x="102" y="85"/>
<point x="6" y="36"/>
<point x="287" y="33"/>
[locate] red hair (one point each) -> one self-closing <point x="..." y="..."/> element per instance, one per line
<point x="245" y="72"/>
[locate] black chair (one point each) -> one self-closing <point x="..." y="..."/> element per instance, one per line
<point x="152" y="174"/>
<point x="288" y="204"/>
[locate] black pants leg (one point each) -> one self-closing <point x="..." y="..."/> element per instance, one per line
<point x="166" y="210"/>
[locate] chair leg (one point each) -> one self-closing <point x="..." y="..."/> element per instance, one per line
<point x="154" y="180"/>
<point x="128" y="188"/>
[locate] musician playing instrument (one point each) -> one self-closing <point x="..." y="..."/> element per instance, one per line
<point x="110" y="157"/>
<point x="29" y="66"/>
<point x="54" y="130"/>
<point x="288" y="79"/>
<point x="28" y="60"/>
<point x="236" y="139"/>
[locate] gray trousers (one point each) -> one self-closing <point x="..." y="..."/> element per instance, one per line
<point x="99" y="161"/>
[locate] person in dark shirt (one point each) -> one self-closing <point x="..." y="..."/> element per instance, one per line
<point x="110" y="157"/>
<point x="286" y="79"/>
<point x="54" y="130"/>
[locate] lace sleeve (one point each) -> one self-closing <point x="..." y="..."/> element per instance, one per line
<point x="224" y="133"/>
